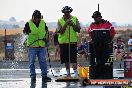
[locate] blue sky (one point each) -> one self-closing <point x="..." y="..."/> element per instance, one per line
<point x="113" y="10"/>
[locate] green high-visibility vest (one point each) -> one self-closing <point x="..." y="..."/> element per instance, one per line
<point x="64" y="38"/>
<point x="36" y="34"/>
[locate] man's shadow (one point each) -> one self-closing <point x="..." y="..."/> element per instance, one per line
<point x="44" y="85"/>
<point x="33" y="84"/>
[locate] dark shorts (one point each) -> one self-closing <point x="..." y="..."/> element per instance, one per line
<point x="64" y="53"/>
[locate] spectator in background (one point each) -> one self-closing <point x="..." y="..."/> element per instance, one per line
<point x="83" y="48"/>
<point x="130" y="43"/>
<point x="128" y="55"/>
<point x="119" y="47"/>
<point x="56" y="44"/>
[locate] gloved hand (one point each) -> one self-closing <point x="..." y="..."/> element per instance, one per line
<point x="69" y="22"/>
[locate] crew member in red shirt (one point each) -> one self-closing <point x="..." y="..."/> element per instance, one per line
<point x="101" y="32"/>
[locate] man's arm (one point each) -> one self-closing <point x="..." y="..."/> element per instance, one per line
<point x="60" y="28"/>
<point x="26" y="29"/>
<point x="76" y="27"/>
<point x="47" y="32"/>
<point x="112" y="32"/>
<point x="89" y="31"/>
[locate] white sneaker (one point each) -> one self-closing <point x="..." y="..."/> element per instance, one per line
<point x="76" y="74"/>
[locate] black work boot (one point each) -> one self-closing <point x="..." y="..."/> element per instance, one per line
<point x="33" y="79"/>
<point x="46" y="79"/>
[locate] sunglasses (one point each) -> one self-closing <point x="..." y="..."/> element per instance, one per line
<point x="96" y="16"/>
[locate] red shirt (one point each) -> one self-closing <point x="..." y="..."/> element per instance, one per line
<point x="105" y="25"/>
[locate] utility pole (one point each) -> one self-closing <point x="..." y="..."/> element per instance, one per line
<point x="9" y="48"/>
<point x="5" y="42"/>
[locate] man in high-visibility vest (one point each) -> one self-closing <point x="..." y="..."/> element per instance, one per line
<point x="68" y="27"/>
<point x="36" y="30"/>
<point x="101" y="32"/>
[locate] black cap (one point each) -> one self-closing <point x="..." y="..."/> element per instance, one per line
<point x="67" y="9"/>
<point x="96" y="14"/>
<point x="36" y="14"/>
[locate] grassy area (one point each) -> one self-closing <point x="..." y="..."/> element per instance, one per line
<point x="124" y="34"/>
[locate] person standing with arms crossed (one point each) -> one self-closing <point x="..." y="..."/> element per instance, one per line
<point x="36" y="30"/>
<point x="101" y="32"/>
<point x="68" y="24"/>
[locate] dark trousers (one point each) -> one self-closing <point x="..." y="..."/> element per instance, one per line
<point x="99" y="57"/>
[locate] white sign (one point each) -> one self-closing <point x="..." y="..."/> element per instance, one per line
<point x="8" y="44"/>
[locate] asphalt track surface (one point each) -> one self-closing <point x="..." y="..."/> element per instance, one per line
<point x="15" y="74"/>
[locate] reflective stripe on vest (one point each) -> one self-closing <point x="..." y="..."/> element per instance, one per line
<point x="36" y="34"/>
<point x="64" y="38"/>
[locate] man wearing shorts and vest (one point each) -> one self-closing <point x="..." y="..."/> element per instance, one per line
<point x="68" y="27"/>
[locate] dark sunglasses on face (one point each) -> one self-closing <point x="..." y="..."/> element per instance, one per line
<point x="37" y="18"/>
<point x="96" y="17"/>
